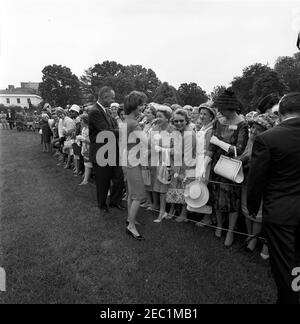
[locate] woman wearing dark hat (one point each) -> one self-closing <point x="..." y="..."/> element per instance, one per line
<point x="230" y="137"/>
<point x="266" y="104"/>
<point x="260" y="124"/>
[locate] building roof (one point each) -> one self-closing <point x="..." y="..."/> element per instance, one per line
<point x="24" y="91"/>
<point x="19" y="95"/>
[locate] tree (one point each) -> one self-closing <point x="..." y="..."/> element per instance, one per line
<point x="123" y="79"/>
<point x="216" y="92"/>
<point x="141" y="79"/>
<point x="267" y="83"/>
<point x="243" y="85"/>
<point x="59" y="86"/>
<point x="288" y="69"/>
<point x="165" y="93"/>
<point x="192" y="94"/>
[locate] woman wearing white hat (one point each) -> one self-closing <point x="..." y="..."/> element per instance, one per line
<point x="207" y="117"/>
<point x="186" y="138"/>
<point x="162" y="130"/>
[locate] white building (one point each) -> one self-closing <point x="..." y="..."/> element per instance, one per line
<point x="21" y="100"/>
<point x="21" y="97"/>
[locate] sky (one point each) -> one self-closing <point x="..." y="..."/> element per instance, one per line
<point x="207" y="42"/>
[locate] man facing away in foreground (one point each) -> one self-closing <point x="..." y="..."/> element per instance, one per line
<point x="275" y="179"/>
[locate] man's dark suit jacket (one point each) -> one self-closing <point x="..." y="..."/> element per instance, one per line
<point x="275" y="174"/>
<point x="100" y="121"/>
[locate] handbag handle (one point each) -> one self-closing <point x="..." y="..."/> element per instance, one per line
<point x="235" y="152"/>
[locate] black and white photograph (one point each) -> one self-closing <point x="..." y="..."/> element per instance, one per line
<point x="149" y="155"/>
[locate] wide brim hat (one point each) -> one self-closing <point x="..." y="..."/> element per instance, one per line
<point x="196" y="194"/>
<point x="201" y="210"/>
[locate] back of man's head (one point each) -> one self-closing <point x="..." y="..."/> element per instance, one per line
<point x="290" y="104"/>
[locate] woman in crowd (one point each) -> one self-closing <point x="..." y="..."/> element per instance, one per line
<point x="114" y="109"/>
<point x="76" y="148"/>
<point x="207" y="119"/>
<point x="230" y="137"/>
<point x="136" y="190"/>
<point x="159" y="133"/>
<point x="3" y="120"/>
<point x="185" y="137"/>
<point x="194" y="117"/>
<point x="150" y="115"/>
<point x="69" y="128"/>
<point x="268" y="103"/>
<point x="85" y="149"/>
<point x="260" y="124"/>
<point x="121" y="115"/>
<point x="46" y="132"/>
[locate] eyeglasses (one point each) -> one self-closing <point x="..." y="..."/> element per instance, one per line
<point x="177" y="121"/>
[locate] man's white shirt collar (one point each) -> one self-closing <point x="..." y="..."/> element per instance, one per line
<point x="101" y="106"/>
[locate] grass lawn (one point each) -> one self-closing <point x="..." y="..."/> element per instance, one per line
<point x="55" y="247"/>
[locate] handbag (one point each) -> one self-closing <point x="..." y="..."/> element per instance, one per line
<point x="68" y="144"/>
<point x="164" y="174"/>
<point x="175" y="196"/>
<point x="146" y="175"/>
<point x="229" y="168"/>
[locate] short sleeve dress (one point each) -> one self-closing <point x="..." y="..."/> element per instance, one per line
<point x="225" y="195"/>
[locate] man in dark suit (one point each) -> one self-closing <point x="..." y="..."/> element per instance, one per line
<point x="101" y="120"/>
<point x="274" y="178"/>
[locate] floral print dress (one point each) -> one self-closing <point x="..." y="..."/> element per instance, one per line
<point x="226" y="197"/>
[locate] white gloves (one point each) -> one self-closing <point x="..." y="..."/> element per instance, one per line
<point x="201" y="168"/>
<point x="223" y="145"/>
<point x="80" y="138"/>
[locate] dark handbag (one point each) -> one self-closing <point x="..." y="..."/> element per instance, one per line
<point x="76" y="149"/>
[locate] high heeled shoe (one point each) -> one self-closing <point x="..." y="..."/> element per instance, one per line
<point x="218" y="233"/>
<point x="229" y="240"/>
<point x="160" y="218"/>
<point x="136" y="237"/>
<point x="135" y="223"/>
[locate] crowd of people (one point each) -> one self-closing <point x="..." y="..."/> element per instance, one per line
<point x="214" y="143"/>
<point x="215" y="129"/>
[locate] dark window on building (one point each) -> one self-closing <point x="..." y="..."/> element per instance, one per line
<point x="29" y="101"/>
<point x="7" y="100"/>
<point x="18" y="100"/>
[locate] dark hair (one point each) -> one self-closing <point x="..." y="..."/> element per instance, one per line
<point x="267" y="102"/>
<point x="183" y="113"/>
<point x="84" y="119"/>
<point x="133" y="101"/>
<point x="103" y="91"/>
<point x="120" y="109"/>
<point x="290" y="103"/>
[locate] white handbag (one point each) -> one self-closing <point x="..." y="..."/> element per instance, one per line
<point x="229" y="168"/>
